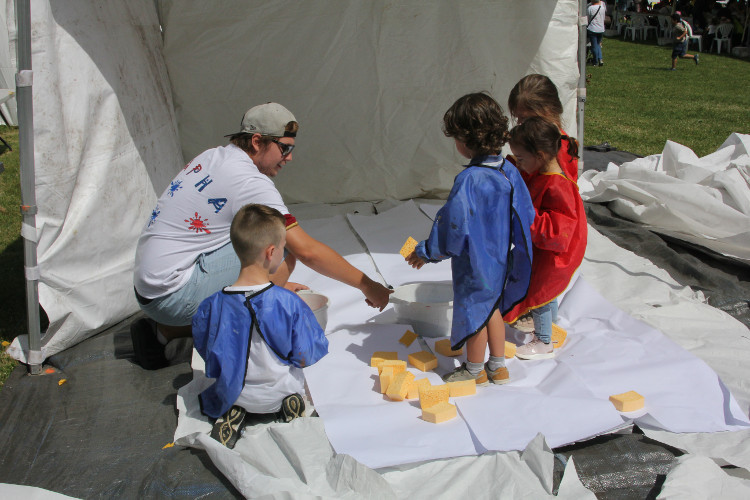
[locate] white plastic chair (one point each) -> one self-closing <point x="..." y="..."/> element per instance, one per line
<point x="636" y="27"/>
<point x="693" y="38"/>
<point x="665" y="25"/>
<point x="723" y="35"/>
<point x="646" y="29"/>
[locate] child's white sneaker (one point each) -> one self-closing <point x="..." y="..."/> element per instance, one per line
<point x="536" y="349"/>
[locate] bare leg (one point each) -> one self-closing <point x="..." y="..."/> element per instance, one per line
<point x="476" y="346"/>
<point x="496" y="334"/>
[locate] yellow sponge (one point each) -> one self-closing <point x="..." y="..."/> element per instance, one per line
<point x="398" y="365"/>
<point x="444" y="347"/>
<point x="377" y="359"/>
<point x="423" y="360"/>
<point x="558" y="336"/>
<point x="510" y="349"/>
<point x="439" y="413"/>
<point x="386" y="377"/>
<point x="413" y="392"/>
<point x="408" y="247"/>
<point x="462" y="388"/>
<point x="408" y="338"/>
<point x="399" y="386"/>
<point x="432" y="395"/>
<point x="628" y="401"/>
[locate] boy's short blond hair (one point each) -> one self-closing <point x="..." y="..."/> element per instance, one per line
<point x="255" y="227"/>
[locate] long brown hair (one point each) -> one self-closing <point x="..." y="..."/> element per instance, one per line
<point x="537" y="94"/>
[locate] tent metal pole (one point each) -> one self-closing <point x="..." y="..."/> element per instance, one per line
<point x="582" y="23"/>
<point x="28" y="193"/>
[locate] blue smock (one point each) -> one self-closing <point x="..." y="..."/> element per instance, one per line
<point x="484" y="228"/>
<point x="222" y="327"/>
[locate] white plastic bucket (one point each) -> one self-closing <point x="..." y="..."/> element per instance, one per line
<point x="319" y="305"/>
<point x="428" y="307"/>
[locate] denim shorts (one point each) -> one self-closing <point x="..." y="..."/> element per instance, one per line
<point x="679" y="49"/>
<point x="212" y="272"/>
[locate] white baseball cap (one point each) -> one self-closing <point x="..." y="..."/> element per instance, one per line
<point x="269" y="119"/>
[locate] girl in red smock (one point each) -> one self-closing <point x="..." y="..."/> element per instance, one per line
<point x="536" y="95"/>
<point x="558" y="233"/>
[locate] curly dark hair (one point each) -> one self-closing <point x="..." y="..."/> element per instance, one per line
<point x="478" y="121"/>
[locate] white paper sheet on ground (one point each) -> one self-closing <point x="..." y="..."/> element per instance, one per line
<point x="385" y="234"/>
<point x="615" y="353"/>
<point x="705" y="201"/>
<point x="362" y="422"/>
<point x="347" y="305"/>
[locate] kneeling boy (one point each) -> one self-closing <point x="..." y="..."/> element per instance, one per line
<point x="255" y="337"/>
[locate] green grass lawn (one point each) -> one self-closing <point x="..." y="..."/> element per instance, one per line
<point x="12" y="293"/>
<point x="634" y="102"/>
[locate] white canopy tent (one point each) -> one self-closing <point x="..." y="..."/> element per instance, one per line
<point x="125" y="92"/>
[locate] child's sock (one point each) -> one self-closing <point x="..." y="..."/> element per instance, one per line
<point x="496" y="362"/>
<point x="474" y="368"/>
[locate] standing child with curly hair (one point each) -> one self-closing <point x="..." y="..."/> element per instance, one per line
<point x="536" y="95"/>
<point x="559" y="231"/>
<point x="484" y="229"/>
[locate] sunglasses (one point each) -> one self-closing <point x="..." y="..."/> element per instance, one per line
<point x="286" y="149"/>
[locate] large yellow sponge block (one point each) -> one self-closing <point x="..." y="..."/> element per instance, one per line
<point x="414" y="386"/>
<point x="423" y="360"/>
<point x="408" y="338"/>
<point x="628" y="401"/>
<point x="558" y="336"/>
<point x="398" y="365"/>
<point x="408" y="247"/>
<point x="386" y="377"/>
<point x="439" y="413"/>
<point x="462" y="388"/>
<point x="510" y="349"/>
<point x="432" y="395"/>
<point x="444" y="347"/>
<point x="399" y="386"/>
<point x="379" y="356"/>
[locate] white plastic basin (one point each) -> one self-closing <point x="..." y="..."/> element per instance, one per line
<point x="319" y="305"/>
<point x="428" y="307"/>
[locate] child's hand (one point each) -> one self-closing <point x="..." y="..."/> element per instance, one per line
<point x="414" y="261"/>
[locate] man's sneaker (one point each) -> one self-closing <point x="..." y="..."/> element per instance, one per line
<point x="462" y="373"/>
<point x="147" y="350"/>
<point x="499" y="376"/>
<point x="228" y="427"/>
<point x="524" y="324"/>
<point x="292" y="406"/>
<point x="536" y="349"/>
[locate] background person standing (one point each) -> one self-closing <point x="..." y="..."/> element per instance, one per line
<point x="596" y="11"/>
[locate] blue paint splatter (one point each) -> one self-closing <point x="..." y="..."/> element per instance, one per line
<point x="174" y="186"/>
<point x="154" y="214"/>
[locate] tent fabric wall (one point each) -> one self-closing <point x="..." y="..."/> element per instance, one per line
<point x="118" y="109"/>
<point x="368" y="81"/>
<point x="105" y="135"/>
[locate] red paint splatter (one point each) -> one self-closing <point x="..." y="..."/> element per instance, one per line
<point x="198" y="224"/>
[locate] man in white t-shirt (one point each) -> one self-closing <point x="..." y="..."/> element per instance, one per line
<point x="184" y="254"/>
